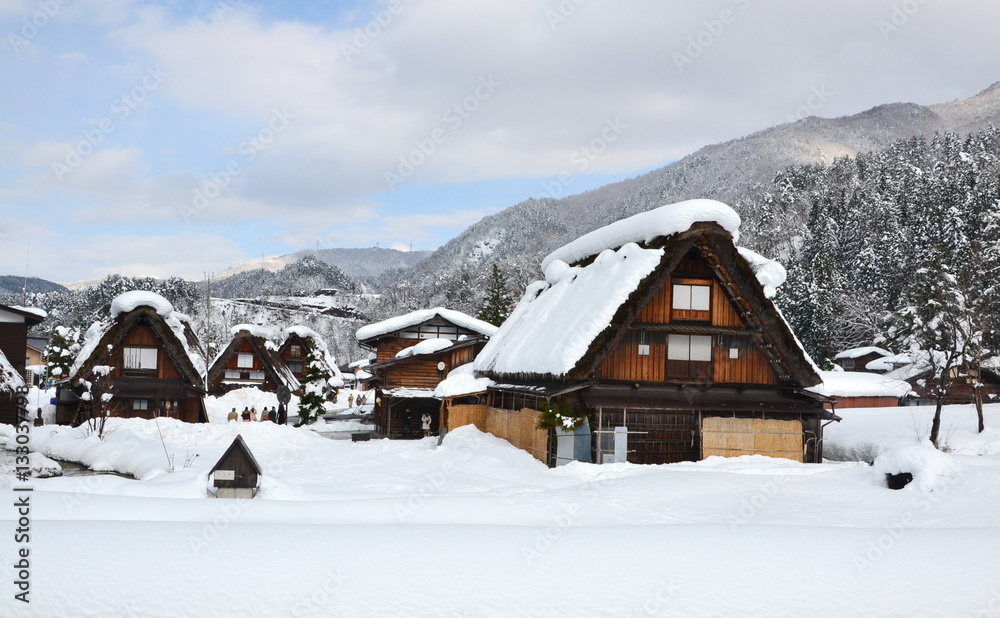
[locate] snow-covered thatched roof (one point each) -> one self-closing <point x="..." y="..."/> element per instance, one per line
<point x="127" y="310"/>
<point x="313" y="339"/>
<point x="593" y="284"/>
<point x="402" y="322"/>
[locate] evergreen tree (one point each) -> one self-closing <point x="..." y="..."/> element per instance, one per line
<point x="315" y="386"/>
<point x="61" y="351"/>
<point x="498" y="302"/>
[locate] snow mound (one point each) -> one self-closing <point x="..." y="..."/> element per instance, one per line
<point x="931" y="468"/>
<point x="489" y="451"/>
<point x="644" y="227"/>
<point x="130" y="301"/>
<point x="462" y="380"/>
<point x="859" y="384"/>
<point x="427" y="346"/>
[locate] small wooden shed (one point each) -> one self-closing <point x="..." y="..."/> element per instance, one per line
<point x="237" y="472"/>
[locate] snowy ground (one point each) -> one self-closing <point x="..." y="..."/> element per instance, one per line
<point x="474" y="527"/>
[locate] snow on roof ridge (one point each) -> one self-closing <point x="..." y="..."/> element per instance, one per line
<point x="42" y="313"/>
<point x="422" y="315"/>
<point x="666" y="220"/>
<point x="130" y="301"/>
<point x="255" y="330"/>
<point x="10" y="379"/>
<point x="862" y="351"/>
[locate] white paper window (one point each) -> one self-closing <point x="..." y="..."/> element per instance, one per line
<point x="139" y="358"/>
<point x="140" y="404"/>
<point x="689" y="348"/>
<point x="257" y="375"/>
<point x="643" y="349"/>
<point x="734" y="352"/>
<point x="232" y="375"/>
<point x="245" y="361"/>
<point x="692" y="297"/>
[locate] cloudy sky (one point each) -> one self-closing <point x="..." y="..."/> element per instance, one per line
<point x="177" y="138"/>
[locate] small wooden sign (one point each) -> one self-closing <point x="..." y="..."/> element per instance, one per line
<point x="225" y="475"/>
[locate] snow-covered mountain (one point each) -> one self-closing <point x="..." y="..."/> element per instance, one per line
<point x="356" y="263"/>
<point x="522" y="234"/>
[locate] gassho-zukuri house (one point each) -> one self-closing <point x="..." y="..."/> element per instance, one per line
<point x="659" y="324"/>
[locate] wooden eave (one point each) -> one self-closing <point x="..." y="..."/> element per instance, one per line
<point x="31" y="319"/>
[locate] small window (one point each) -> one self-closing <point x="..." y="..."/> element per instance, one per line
<point x="848" y="364"/>
<point x="295" y="366"/>
<point x="689" y="348"/>
<point x="692" y="297"/>
<point x="295" y="351"/>
<point x="232" y="375"/>
<point x="245" y="361"/>
<point x="140" y="404"/>
<point x="139" y="359"/>
<point x="643" y="349"/>
<point x="257" y="375"/>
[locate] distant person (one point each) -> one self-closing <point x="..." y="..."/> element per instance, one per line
<point x="407" y="418"/>
<point x="425" y="424"/>
<point x="253" y="414"/>
<point x="232" y="416"/>
<point x="282" y="414"/>
<point x="246" y="414"/>
<point x="350" y="400"/>
<point x="272" y="415"/>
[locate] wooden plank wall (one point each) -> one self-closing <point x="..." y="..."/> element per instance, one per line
<point x="733" y="437"/>
<point x="518" y="428"/>
<point x="142" y="335"/>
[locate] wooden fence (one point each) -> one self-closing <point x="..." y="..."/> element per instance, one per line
<point x="732" y="437"/>
<point x="514" y="426"/>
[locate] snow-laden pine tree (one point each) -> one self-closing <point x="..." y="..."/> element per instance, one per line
<point x="315" y="387"/>
<point x="498" y="302"/>
<point x="61" y="351"/>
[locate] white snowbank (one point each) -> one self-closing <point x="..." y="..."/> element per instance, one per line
<point x="462" y="380"/>
<point x="402" y="322"/>
<point x="554" y="324"/>
<point x="427" y="346"/>
<point x="255" y="330"/>
<point x="859" y="384"/>
<point x="645" y="226"/>
<point x="930" y="468"/>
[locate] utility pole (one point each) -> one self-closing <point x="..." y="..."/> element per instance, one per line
<point x="24" y="289"/>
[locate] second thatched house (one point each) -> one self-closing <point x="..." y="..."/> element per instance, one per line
<point x="250" y="360"/>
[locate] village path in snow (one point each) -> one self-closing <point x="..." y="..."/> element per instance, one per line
<point x="475" y="527"/>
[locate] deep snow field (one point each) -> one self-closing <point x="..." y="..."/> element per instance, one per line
<point x="475" y="527"/>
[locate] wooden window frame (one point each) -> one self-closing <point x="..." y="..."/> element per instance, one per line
<point x="239" y="358"/>
<point x="690" y="314"/>
<point x="141" y="355"/>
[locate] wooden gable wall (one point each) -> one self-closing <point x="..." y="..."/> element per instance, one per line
<point x="422" y="372"/>
<point x="657" y="320"/>
<point x="142" y="335"/>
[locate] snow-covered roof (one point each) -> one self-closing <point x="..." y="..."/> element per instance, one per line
<point x="130" y="301"/>
<point x="859" y="384"/>
<point x="863" y="351"/>
<point x="889" y="363"/>
<point x="402" y="322"/>
<point x="124" y="304"/>
<point x="553" y="325"/>
<point x="770" y="273"/>
<point x="644" y="227"/>
<point x="410" y="393"/>
<point x="254" y="329"/>
<point x="32" y="310"/>
<point x="304" y="332"/>
<point x="10" y="379"/>
<point x="427" y="346"/>
<point x="462" y="380"/>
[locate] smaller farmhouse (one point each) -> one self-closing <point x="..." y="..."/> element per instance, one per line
<point x="414" y="353"/>
<point x="149" y="359"/>
<point x="250" y="359"/>
<point x="861" y="389"/>
<point x="298" y="342"/>
<point x="868" y="358"/>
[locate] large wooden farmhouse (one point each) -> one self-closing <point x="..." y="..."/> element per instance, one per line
<point x="660" y="325"/>
<point x="156" y="363"/>
<point x="14" y="325"/>
<point x="414" y="353"/>
<point x="250" y="360"/>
